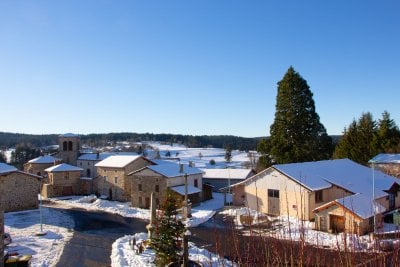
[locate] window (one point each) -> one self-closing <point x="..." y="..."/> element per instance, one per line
<point x="80" y="163"/>
<point x="70" y="146"/>
<point x="116" y="180"/>
<point x="273" y="193"/>
<point x="140" y="201"/>
<point x="318" y="196"/>
<point x="140" y="187"/>
<point x="157" y="188"/>
<point x="196" y="184"/>
<point x="66" y="175"/>
<point x="65" y="146"/>
<point x="88" y="172"/>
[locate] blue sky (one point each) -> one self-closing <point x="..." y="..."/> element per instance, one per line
<point x="192" y="67"/>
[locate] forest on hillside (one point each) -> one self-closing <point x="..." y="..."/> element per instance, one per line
<point x="9" y="140"/>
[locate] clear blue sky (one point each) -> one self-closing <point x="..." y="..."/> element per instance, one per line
<point x="192" y="67"/>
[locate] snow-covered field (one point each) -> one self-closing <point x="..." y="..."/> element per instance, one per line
<point x="123" y="254"/>
<point x="201" y="156"/>
<point x="45" y="250"/>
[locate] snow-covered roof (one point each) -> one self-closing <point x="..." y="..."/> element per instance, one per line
<point x="385" y="158"/>
<point x="180" y="189"/>
<point x="117" y="161"/>
<point x="69" y="135"/>
<point x="63" y="167"/>
<point x="95" y="156"/>
<point x="162" y="161"/>
<point x="5" y="168"/>
<point x="43" y="159"/>
<point x="173" y="170"/>
<point x="226" y="173"/>
<point x="361" y="205"/>
<point x="344" y="173"/>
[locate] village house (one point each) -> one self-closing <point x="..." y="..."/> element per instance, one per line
<point x="19" y="190"/>
<point x="298" y="189"/>
<point x="221" y="178"/>
<point x="387" y="163"/>
<point x="88" y="163"/>
<point x="38" y="165"/>
<point x="112" y="178"/>
<point x="159" y="178"/>
<point x="62" y="180"/>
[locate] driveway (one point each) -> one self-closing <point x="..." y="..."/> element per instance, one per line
<point x="94" y="233"/>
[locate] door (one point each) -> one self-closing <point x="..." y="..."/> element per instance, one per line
<point x="147" y="202"/>
<point x="337" y="223"/>
<point x="273" y="202"/>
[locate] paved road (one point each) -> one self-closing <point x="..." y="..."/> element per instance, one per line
<point x="94" y="233"/>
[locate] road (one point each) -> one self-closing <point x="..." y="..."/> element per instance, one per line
<point x="94" y="233"/>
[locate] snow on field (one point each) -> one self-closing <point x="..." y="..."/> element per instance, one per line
<point x="201" y="156"/>
<point x="289" y="228"/>
<point x="200" y="214"/>
<point x="123" y="255"/>
<point x="45" y="250"/>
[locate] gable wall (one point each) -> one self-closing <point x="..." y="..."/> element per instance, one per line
<point x="294" y="198"/>
<point x="19" y="191"/>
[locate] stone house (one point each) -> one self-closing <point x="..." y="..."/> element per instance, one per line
<point x="38" y="165"/>
<point x="63" y="180"/>
<point x="112" y="178"/>
<point x="387" y="163"/>
<point x="298" y="189"/>
<point x="88" y="163"/>
<point x="160" y="178"/>
<point x="18" y="190"/>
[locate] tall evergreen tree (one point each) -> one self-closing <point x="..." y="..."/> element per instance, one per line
<point x="228" y="153"/>
<point x="387" y="138"/>
<point x="357" y="142"/>
<point x="297" y="135"/>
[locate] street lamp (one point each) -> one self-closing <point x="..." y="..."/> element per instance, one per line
<point x="41" y="232"/>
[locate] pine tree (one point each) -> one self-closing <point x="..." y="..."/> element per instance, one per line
<point x="357" y="142"/>
<point x="297" y="135"/>
<point x="169" y="230"/>
<point x="387" y="138"/>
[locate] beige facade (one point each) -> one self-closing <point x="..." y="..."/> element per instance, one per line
<point x="114" y="182"/>
<point x="274" y="193"/>
<point x="63" y="180"/>
<point x="392" y="169"/>
<point x="19" y="191"/>
<point x="146" y="181"/>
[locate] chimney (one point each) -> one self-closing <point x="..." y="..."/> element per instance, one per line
<point x="190" y="163"/>
<point x="97" y="155"/>
<point x="57" y="161"/>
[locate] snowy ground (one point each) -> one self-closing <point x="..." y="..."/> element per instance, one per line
<point x="200" y="214"/>
<point x="45" y="250"/>
<point x="284" y="227"/>
<point x="123" y="254"/>
<point x="201" y="156"/>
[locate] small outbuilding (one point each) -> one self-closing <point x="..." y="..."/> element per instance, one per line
<point x="63" y="180"/>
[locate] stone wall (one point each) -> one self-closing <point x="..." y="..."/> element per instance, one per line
<point x="390" y="169"/>
<point x="1" y="237"/>
<point x="37" y="168"/>
<point x="62" y="184"/>
<point x="19" y="191"/>
<point x="143" y="186"/>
